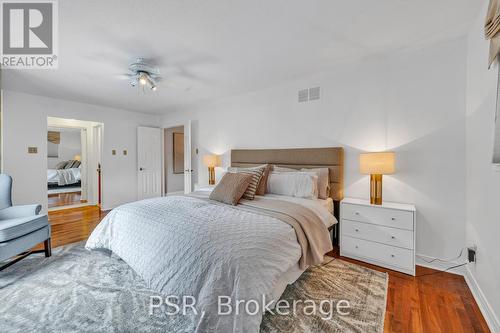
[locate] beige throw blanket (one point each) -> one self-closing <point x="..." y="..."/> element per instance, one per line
<point x="312" y="233"/>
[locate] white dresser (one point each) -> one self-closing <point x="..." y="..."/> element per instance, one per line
<point x="381" y="235"/>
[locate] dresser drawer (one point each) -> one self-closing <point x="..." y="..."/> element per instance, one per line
<point x="378" y="233"/>
<point x="376" y="215"/>
<point x="383" y="254"/>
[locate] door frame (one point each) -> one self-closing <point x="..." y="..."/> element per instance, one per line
<point x="91" y="152"/>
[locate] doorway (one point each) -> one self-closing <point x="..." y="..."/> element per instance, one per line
<point x="64" y="166"/>
<point x="173" y="152"/>
<point x="73" y="163"/>
<point x="177" y="159"/>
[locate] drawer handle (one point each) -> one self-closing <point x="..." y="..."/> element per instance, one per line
<point x="357" y="213"/>
<point x="357" y="247"/>
<point x="393" y="218"/>
<point x="357" y="230"/>
<point x="392" y="255"/>
<point x="393" y="237"/>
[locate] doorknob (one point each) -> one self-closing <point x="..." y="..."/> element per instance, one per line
<point x="141" y="169"/>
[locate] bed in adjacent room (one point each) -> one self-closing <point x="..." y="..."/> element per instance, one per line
<point x="203" y="247"/>
<point x="64" y="177"/>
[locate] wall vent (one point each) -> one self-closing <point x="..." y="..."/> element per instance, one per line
<point x="303" y="95"/>
<point x="311" y="94"/>
<point x="314" y="94"/>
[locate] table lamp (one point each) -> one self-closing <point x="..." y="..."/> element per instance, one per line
<point x="376" y="165"/>
<point x="211" y="161"/>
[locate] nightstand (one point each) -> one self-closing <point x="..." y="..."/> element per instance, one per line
<point x="382" y="235"/>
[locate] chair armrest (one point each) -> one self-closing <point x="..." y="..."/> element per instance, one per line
<point x="19" y="211"/>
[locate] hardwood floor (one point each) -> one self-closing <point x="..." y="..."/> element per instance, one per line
<point x="74" y="224"/>
<point x="433" y="301"/>
<point x="65" y="199"/>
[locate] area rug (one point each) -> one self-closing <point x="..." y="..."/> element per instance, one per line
<point x="76" y="290"/>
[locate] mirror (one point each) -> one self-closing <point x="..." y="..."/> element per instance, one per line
<point x="178" y="150"/>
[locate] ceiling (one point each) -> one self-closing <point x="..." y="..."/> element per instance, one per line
<point x="212" y="49"/>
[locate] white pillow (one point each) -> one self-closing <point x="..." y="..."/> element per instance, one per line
<point x="282" y="169"/>
<point x="323" y="181"/>
<point x="293" y="184"/>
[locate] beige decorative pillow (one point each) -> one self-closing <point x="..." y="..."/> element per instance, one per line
<point x="261" y="189"/>
<point x="256" y="174"/>
<point x="323" y="181"/>
<point x="230" y="188"/>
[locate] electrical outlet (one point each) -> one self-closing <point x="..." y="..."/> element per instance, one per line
<point x="113" y="152"/>
<point x="32" y="150"/>
<point x="125" y="152"/>
<point x="471" y="253"/>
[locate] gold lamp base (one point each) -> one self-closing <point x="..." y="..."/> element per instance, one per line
<point x="376" y="189"/>
<point x="211" y="175"/>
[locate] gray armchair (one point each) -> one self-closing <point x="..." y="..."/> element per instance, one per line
<point x="21" y="227"/>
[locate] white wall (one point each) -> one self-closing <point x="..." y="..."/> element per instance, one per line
<point x="411" y="102"/>
<point x="482" y="182"/>
<point x="69" y="146"/>
<point x="25" y="124"/>
<point x="174" y="182"/>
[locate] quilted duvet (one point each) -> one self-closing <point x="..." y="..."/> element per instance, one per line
<point x="187" y="246"/>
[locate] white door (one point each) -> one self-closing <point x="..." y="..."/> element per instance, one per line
<point x="149" y="162"/>
<point x="188" y="170"/>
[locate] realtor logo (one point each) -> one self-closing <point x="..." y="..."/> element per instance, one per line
<point x="29" y="34"/>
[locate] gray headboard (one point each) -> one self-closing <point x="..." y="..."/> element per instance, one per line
<point x="331" y="158"/>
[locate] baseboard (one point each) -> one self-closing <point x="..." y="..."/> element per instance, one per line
<point x="482" y="302"/>
<point x="422" y="260"/>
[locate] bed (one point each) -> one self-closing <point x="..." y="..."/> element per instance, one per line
<point x="64" y="177"/>
<point x="190" y="245"/>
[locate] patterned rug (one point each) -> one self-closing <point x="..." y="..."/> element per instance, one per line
<point x="80" y="291"/>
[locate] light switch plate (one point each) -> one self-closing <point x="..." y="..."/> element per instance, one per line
<point x="32" y="150"/>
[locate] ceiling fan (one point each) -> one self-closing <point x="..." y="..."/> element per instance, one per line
<point x="143" y="75"/>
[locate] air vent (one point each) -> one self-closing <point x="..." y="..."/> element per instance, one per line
<point x="314" y="94"/>
<point x="303" y="95"/>
<point x="311" y="94"/>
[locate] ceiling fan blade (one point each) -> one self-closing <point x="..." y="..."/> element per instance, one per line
<point x="126" y="76"/>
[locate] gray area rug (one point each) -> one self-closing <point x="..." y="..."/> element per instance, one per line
<point x="80" y="291"/>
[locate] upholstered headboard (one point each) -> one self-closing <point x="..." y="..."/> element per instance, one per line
<point x="331" y="158"/>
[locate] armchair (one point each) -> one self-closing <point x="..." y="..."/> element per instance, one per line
<point x="21" y="227"/>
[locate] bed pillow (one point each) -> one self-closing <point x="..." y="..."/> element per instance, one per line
<point x="61" y="165"/>
<point x="323" y="181"/>
<point x="256" y="174"/>
<point x="282" y="169"/>
<point x="261" y="189"/>
<point x="70" y="164"/>
<point x="230" y="188"/>
<point x="293" y="184"/>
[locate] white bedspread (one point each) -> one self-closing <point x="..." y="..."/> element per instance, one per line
<point x="64" y="176"/>
<point x="189" y="246"/>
